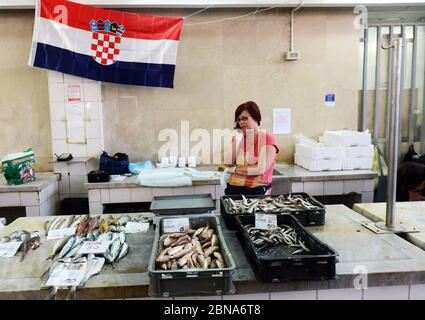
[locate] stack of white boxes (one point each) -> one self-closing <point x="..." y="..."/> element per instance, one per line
<point x="337" y="150"/>
<point x="318" y="157"/>
<point x="357" y="148"/>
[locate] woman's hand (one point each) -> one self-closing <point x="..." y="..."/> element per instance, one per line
<point x="265" y="160"/>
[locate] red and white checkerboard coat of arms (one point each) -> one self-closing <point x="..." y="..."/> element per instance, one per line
<point x="105" y="47"/>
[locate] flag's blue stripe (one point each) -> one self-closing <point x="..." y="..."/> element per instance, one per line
<point x="144" y="74"/>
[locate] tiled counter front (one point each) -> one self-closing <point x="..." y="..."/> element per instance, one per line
<point x="328" y="183"/>
<point x="39" y="197"/>
<point x="129" y="192"/>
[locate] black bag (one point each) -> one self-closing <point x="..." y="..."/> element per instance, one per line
<point x="118" y="164"/>
<point x="381" y="191"/>
<point x="413" y="156"/>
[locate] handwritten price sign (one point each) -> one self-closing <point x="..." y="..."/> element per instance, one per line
<point x="94" y="247"/>
<point x="9" y="249"/>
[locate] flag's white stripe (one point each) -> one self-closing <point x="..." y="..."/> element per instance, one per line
<point x="131" y="50"/>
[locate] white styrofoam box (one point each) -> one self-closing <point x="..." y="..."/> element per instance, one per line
<point x="346" y="138"/>
<point x="29" y="198"/>
<point x="77" y="168"/>
<point x="333" y="188"/>
<point x="294" y="295"/>
<point x="314" y="188"/>
<point x="94" y="195"/>
<point x="356" y="163"/>
<point x="77" y="150"/>
<point x="93" y="129"/>
<point x="104" y="195"/>
<point x="93" y="110"/>
<point x="358" y="152"/>
<point x="120" y="195"/>
<point x="57" y="111"/>
<point x="59" y="146"/>
<point x="58" y="130"/>
<point x="76" y="184"/>
<point x="318" y="152"/>
<point x="387" y="293"/>
<point x="141" y="194"/>
<point x="56" y="92"/>
<point x="340" y="294"/>
<point x="54" y="76"/>
<point x="92" y="92"/>
<point x="10" y="199"/>
<point x="68" y="78"/>
<point x="93" y="148"/>
<point x="318" y="165"/>
<point x="32" y="211"/>
<point x="297" y="187"/>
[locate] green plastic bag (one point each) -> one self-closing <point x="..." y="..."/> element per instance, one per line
<point x="17" y="167"/>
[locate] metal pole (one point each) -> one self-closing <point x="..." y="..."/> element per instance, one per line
<point x="401" y="102"/>
<point x="413" y="87"/>
<point x="365" y="64"/>
<point x="389" y="93"/>
<point x="377" y="86"/>
<point x="394" y="136"/>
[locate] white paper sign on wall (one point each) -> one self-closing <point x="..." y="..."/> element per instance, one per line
<point x="282" y="121"/>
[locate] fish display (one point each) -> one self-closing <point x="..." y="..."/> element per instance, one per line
<point x="281" y="235"/>
<point x="282" y="203"/>
<point x="192" y="249"/>
<point x="30" y="241"/>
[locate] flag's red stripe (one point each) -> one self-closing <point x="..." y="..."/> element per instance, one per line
<point x="136" y="25"/>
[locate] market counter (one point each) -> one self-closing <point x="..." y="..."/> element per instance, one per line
<point x="388" y="260"/>
<point x="286" y="178"/>
<point x="39" y="197"/>
<point x="409" y="213"/>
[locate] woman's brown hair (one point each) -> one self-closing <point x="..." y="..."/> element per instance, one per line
<point x="252" y="109"/>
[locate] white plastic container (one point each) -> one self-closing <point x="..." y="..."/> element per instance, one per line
<point x="358" y="152"/>
<point x="357" y="163"/>
<point x="346" y="138"/>
<point x="318" y="152"/>
<point x="318" y="165"/>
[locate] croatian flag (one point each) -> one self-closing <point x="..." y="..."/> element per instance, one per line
<point x="105" y="45"/>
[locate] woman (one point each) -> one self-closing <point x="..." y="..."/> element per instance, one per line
<point x="254" y="157"/>
<point x="410" y="181"/>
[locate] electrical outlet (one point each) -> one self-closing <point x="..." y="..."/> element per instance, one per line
<point x="293" y="55"/>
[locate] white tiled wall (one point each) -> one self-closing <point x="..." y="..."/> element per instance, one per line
<point x="340" y="294"/>
<point x="417" y="292"/>
<point x="91" y="97"/>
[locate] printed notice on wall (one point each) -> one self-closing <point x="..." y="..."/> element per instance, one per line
<point x="330" y="100"/>
<point x="282" y="121"/>
<point x="75" y="125"/>
<point x="73" y="92"/>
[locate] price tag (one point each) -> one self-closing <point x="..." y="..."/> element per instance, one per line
<point x="176" y="225"/>
<point x="9" y="249"/>
<point x="60" y="233"/>
<point x="265" y="221"/>
<point x="66" y="277"/>
<point x="136" y="227"/>
<point x="94" y="247"/>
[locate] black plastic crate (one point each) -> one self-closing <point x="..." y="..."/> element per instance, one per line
<point x="277" y="264"/>
<point x="306" y="217"/>
<point x="195" y="281"/>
